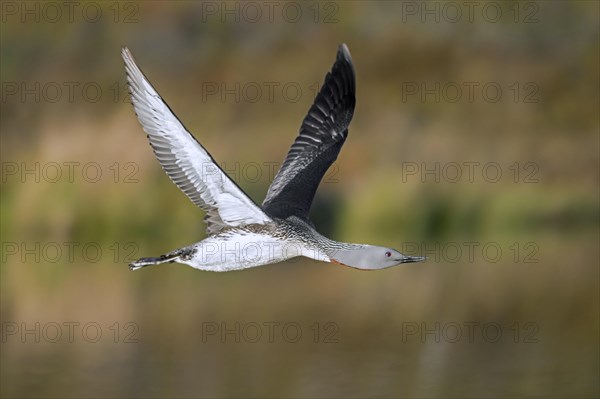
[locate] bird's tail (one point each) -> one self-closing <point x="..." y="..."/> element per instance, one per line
<point x="143" y="262"/>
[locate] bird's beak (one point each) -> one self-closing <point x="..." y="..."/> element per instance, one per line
<point x="411" y="259"/>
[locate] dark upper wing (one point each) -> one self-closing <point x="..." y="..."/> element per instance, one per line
<point x="321" y="137"/>
<point x="186" y="162"/>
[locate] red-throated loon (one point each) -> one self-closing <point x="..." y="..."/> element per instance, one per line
<point x="242" y="234"/>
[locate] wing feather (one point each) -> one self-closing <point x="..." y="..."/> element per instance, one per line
<point x="321" y="137"/>
<point x="186" y="162"/>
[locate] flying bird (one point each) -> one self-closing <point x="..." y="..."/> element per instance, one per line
<point x="241" y="234"/>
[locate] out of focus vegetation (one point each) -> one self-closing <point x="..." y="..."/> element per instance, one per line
<point x="543" y="212"/>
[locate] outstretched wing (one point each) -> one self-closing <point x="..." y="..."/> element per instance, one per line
<point x="186" y="162"/>
<point x="321" y="137"/>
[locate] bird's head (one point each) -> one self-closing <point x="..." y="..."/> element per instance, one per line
<point x="371" y="257"/>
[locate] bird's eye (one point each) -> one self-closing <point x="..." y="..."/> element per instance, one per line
<point x="388" y="254"/>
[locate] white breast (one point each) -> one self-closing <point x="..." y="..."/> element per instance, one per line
<point x="240" y="249"/>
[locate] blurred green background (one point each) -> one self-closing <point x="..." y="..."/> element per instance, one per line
<point x="82" y="194"/>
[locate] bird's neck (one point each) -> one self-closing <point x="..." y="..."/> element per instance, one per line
<point x="348" y="254"/>
<point x="338" y="252"/>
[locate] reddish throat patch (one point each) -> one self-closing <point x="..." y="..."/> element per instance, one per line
<point x="337" y="262"/>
